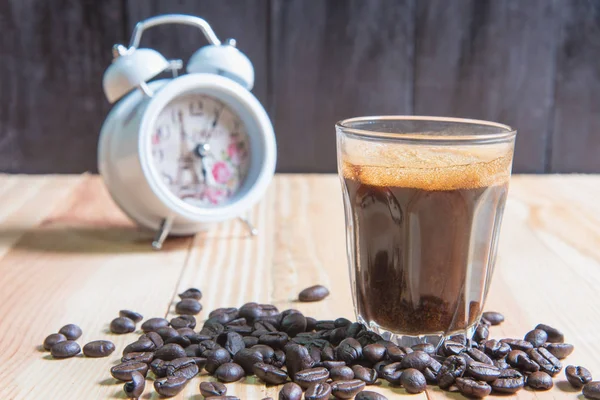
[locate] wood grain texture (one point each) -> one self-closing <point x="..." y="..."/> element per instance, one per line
<point x="576" y="131"/>
<point x="78" y="259"/>
<point x="490" y="60"/>
<point x="332" y="60"/>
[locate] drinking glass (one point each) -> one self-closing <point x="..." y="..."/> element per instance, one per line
<point x="423" y="199"/>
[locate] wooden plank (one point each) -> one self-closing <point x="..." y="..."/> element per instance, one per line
<point x="576" y="140"/>
<point x="332" y="60"/>
<point x="51" y="102"/>
<point x="245" y="21"/>
<point x="490" y="60"/>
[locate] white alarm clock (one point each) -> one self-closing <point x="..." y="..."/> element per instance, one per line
<point x="179" y="154"/>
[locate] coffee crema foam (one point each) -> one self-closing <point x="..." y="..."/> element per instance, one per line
<point x="430" y="168"/>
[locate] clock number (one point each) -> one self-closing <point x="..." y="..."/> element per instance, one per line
<point x="197" y="108"/>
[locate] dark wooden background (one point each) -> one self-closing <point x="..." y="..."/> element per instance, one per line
<point x="533" y="64"/>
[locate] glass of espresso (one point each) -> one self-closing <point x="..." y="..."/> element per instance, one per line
<point x="423" y="198"/>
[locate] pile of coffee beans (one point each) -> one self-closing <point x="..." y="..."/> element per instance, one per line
<point x="318" y="359"/>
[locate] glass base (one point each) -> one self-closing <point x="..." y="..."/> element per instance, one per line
<point x="403" y="340"/>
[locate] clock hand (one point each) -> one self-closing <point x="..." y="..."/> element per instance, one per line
<point x="202" y="150"/>
<point x="214" y="123"/>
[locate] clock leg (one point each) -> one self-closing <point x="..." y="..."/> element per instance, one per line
<point x="251" y="229"/>
<point x="163" y="232"/>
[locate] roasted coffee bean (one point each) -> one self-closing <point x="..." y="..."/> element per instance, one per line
<point x="325" y="325"/>
<point x="215" y="358"/>
<point x="313" y="293"/>
<point x="451" y="348"/>
<point x="169" y="352"/>
<point x="452" y="368"/>
<point x="184" y="366"/>
<point x="578" y="376"/>
<point x="136" y="386"/>
<point x="307" y="377"/>
<point x="472" y="388"/>
<point x="459" y="338"/>
<point x="208" y="389"/>
<point x="66" y="349"/>
<point x="482" y="332"/>
<point x="560" y="350"/>
<point x="132" y="315"/>
<point x="278" y="359"/>
<point x="140" y="345"/>
<point x="431" y="371"/>
<point x="183" y="321"/>
<point x="517" y="344"/>
<point x="191" y="293"/>
<point x="246" y="358"/>
<point x="592" y="390"/>
<point x="153" y="324"/>
<point x="347" y="389"/>
<point x="396" y="353"/>
<point x="496" y="349"/>
<point x="290" y="391"/>
<point x="154" y="338"/>
<point x="71" y="331"/>
<point x="356" y="330"/>
<point x="52" y="339"/>
<point x="521" y="360"/>
<point x="547" y="362"/>
<point x="180" y="340"/>
<point x="392" y="373"/>
<point x="167" y="333"/>
<point x="501" y="363"/>
<point x="124" y="370"/>
<point x="158" y="368"/>
<point x="145" y="356"/>
<point x="367" y="375"/>
<point x="331" y="364"/>
<point x="267" y="352"/>
<point x="510" y="381"/>
<point x="368" y="395"/>
<point x="99" y="348"/>
<point x="269" y="373"/>
<point x="413" y="381"/>
<point x="495" y="318"/>
<point x="223" y="315"/>
<point x="536" y="337"/>
<point x="297" y="358"/>
<point x="318" y="391"/>
<point x="207" y="346"/>
<point x="479" y="356"/>
<point x="337" y="335"/>
<point x="264" y="327"/>
<point x="188" y="307"/>
<point x="341" y="373"/>
<point x="276" y="340"/>
<point x="189" y="333"/>
<point x="229" y="372"/>
<point x="341" y="322"/>
<point x="241" y="329"/>
<point x="212" y="329"/>
<point x="231" y="341"/>
<point x="311" y="324"/>
<point x="417" y="360"/>
<point x="200" y="362"/>
<point x="349" y="350"/>
<point x="250" y="341"/>
<point x="554" y="335"/>
<point x="482" y="372"/>
<point x="540" y="381"/>
<point x="252" y="311"/>
<point x="292" y="324"/>
<point x="374" y="352"/>
<point x="484" y="321"/>
<point x="426" y="347"/>
<point x="170" y="386"/>
<point x="328" y="353"/>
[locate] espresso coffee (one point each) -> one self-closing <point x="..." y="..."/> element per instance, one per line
<point x="424" y="240"/>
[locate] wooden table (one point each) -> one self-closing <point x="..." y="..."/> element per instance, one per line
<point x="68" y="255"/>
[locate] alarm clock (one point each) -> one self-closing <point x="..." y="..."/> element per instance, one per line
<point x="181" y="153"/>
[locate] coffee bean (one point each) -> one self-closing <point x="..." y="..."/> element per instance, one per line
<point x="223" y="315"/>
<point x="392" y="373"/>
<point x="307" y="377"/>
<point x="252" y="311"/>
<point x="231" y="341"/>
<point x="180" y="340"/>
<point x="313" y="293"/>
<point x="367" y="375"/>
<point x="215" y="358"/>
<point x="417" y="360"/>
<point x="472" y="388"/>
<point x="519" y="359"/>
<point x="145" y="356"/>
<point x="347" y="389"/>
<point x="451" y="348"/>
<point x="270" y="374"/>
<point x="311" y="324"/>
<point x="592" y="390"/>
<point x="453" y="367"/>
<point x="52" y="339"/>
<point x="494" y="318"/>
<point x="136" y="386"/>
<point x="153" y="324"/>
<point x="184" y="366"/>
<point x="278" y="359"/>
<point x="547" y="362"/>
<point x="229" y="372"/>
<point x="65" y="349"/>
<point x="536" y="337"/>
<point x="246" y="358"/>
<point x="191" y="293"/>
<point x="208" y="389"/>
<point x="154" y="338"/>
<point x="188" y="307"/>
<point x="349" y="350"/>
<point x="482" y="332"/>
<point x="124" y="370"/>
<point x="325" y="325"/>
<point x="560" y="350"/>
<point x="496" y="349"/>
<point x="158" y="368"/>
<point x="431" y="371"/>
<point x="343" y="373"/>
<point x="250" y="341"/>
<point x="276" y="340"/>
<point x="578" y="376"/>
<point x="297" y="359"/>
<point x="170" y="386"/>
<point x="374" y="352"/>
<point x="183" y="321"/>
<point x="71" y="331"/>
<point x="517" y="344"/>
<point x="140" y="345"/>
<point x="554" y="335"/>
<point x="122" y="325"/>
<point x="99" y="348"/>
<point x="396" y="353"/>
<point x="167" y="333"/>
<point x="290" y="391"/>
<point x="132" y="315"/>
<point x="482" y="372"/>
<point x="413" y="381"/>
<point x="169" y="352"/>
<point x="341" y="322"/>
<point x="368" y="395"/>
<point x="479" y="356"/>
<point x="426" y="347"/>
<point x="510" y="381"/>
<point x="267" y="352"/>
<point x="501" y="363"/>
<point x="318" y="391"/>
<point x="293" y="324"/>
<point x="540" y="381"/>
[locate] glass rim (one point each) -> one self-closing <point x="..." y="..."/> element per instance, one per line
<point x="505" y="131"/>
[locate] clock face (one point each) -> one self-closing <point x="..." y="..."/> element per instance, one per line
<point x="200" y="148"/>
